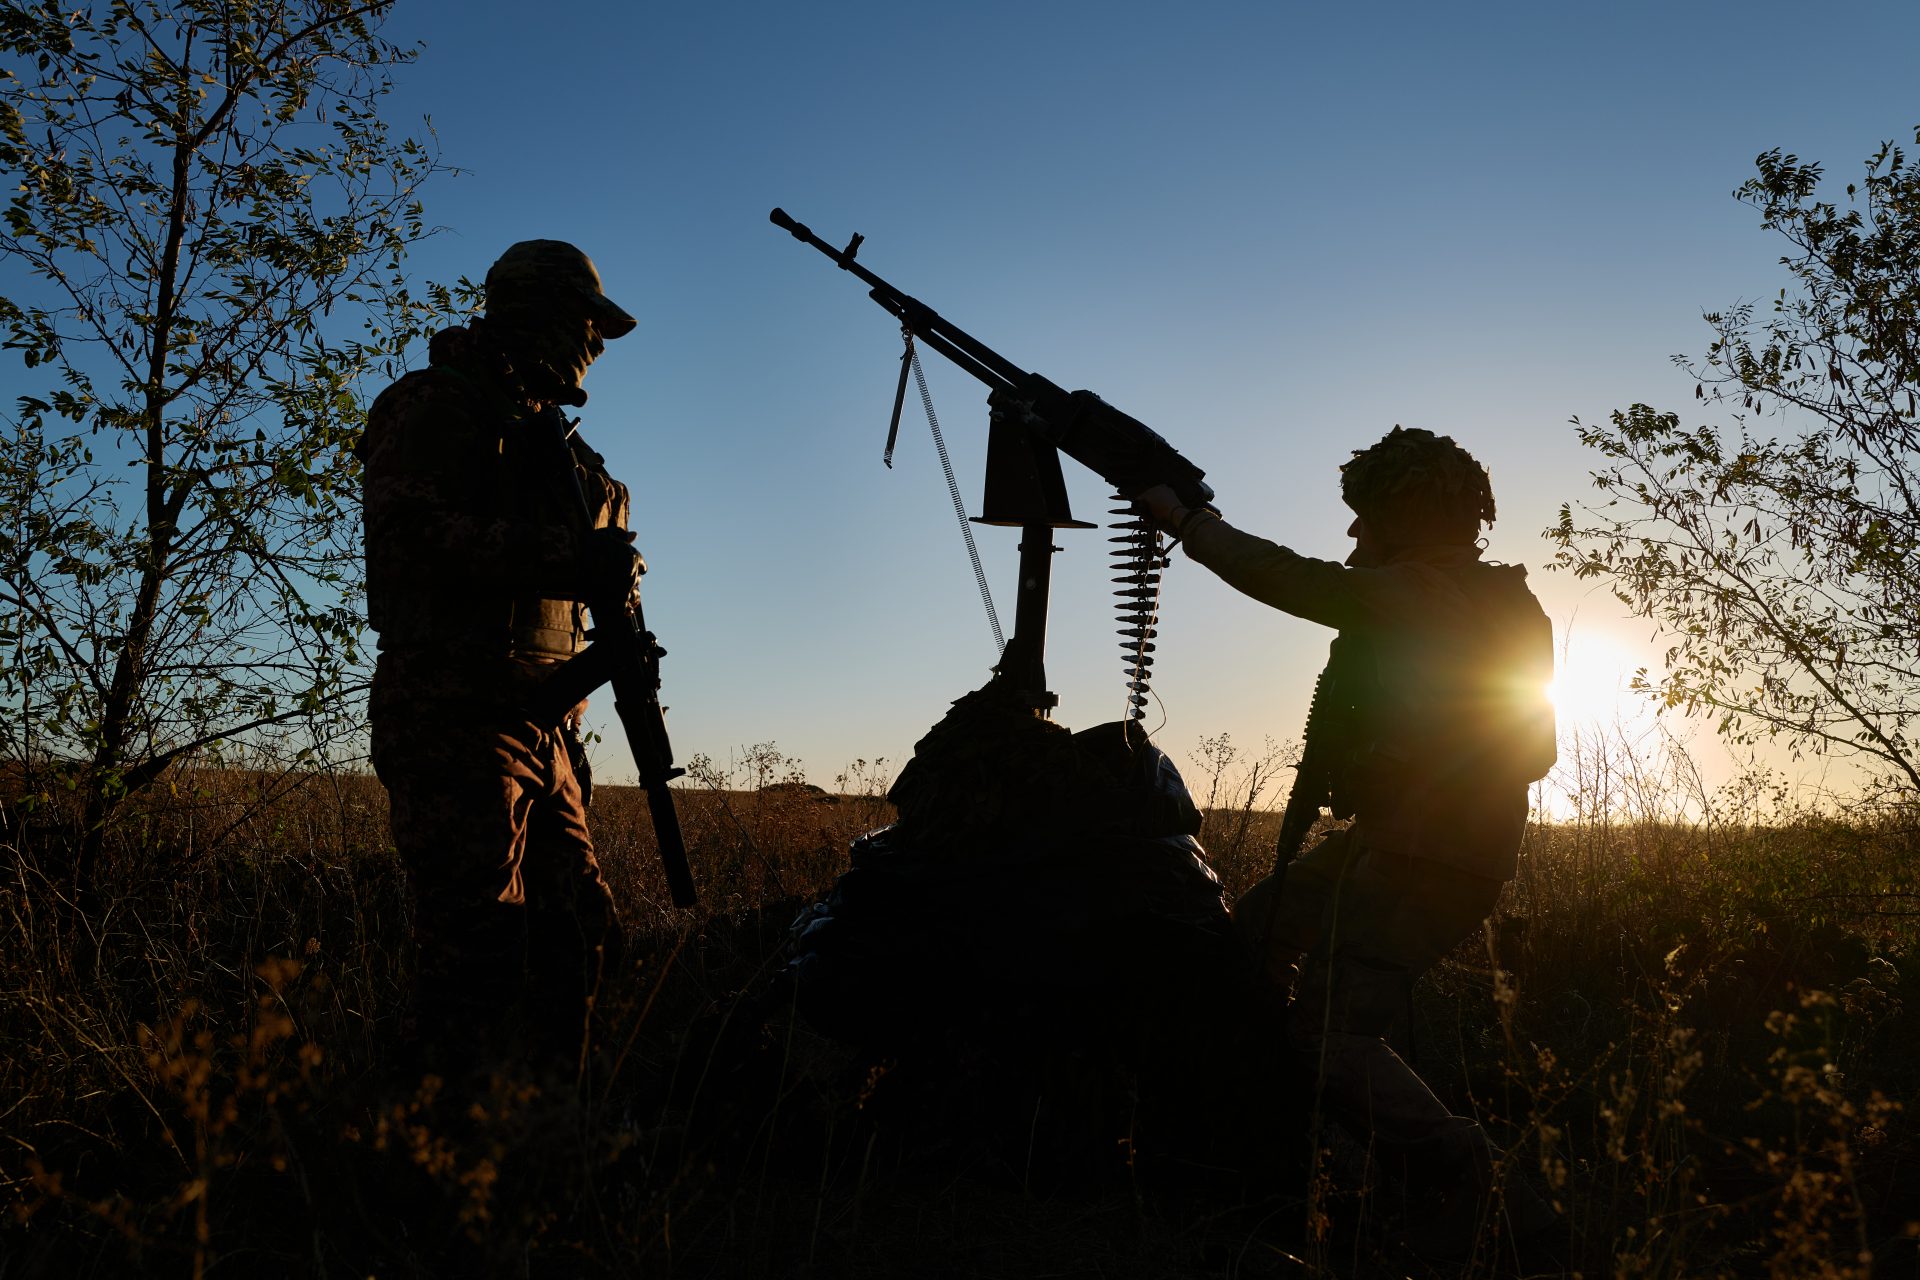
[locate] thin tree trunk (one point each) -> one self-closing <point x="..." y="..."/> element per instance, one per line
<point x="107" y="783"/>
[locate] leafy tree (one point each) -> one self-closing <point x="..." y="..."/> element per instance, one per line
<point x="1779" y="549"/>
<point x="201" y="184"/>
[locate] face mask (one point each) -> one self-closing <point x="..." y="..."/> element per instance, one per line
<point x="550" y="352"/>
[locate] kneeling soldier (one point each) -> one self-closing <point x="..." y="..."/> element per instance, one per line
<point x="1441" y="722"/>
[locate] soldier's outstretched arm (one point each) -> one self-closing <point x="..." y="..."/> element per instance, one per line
<point x="1317" y="590"/>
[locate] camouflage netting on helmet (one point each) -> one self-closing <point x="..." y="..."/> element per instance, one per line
<point x="1041" y="899"/>
<point x="1414" y="486"/>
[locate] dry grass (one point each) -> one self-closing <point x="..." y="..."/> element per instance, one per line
<point x="1697" y="1036"/>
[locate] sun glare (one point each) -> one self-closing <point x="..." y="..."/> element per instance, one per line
<point x="1590" y="684"/>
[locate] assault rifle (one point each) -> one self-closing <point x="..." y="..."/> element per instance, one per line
<point x="1122" y="450"/>
<point x="626" y="654"/>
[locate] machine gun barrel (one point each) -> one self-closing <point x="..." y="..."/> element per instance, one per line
<point x="950" y="340"/>
<point x="1122" y="450"/>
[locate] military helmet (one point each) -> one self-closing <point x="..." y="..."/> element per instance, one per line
<point x="548" y="273"/>
<point x="1414" y="486"/>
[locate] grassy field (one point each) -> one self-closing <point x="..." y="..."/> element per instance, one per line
<point x="1695" y="1036"/>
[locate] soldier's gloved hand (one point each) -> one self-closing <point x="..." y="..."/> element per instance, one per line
<point x="610" y="566"/>
<point x="1161" y="505"/>
<point x="1166" y="509"/>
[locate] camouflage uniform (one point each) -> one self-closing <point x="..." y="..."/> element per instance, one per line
<point x="1461" y="653"/>
<point x="474" y="548"/>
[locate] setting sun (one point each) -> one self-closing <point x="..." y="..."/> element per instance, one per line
<point x="1591" y="682"/>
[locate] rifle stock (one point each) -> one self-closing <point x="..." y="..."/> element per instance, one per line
<point x="1302" y="811"/>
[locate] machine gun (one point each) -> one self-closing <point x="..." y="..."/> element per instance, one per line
<point x="626" y="654"/>
<point x="1034" y="421"/>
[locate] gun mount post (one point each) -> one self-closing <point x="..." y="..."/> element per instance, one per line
<point x="1024" y="664"/>
<point x="1025" y="489"/>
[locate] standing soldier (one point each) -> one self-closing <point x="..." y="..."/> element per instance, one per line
<point x="1441" y="721"/>
<point x="478" y="556"/>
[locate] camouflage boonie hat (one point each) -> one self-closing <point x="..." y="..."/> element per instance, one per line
<point x="554" y="271"/>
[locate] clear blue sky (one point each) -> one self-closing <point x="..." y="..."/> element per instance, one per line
<point x="1270" y="230"/>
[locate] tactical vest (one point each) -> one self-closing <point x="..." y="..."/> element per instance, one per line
<point x="534" y="486"/>
<point x="511" y="467"/>
<point x="1473" y="715"/>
